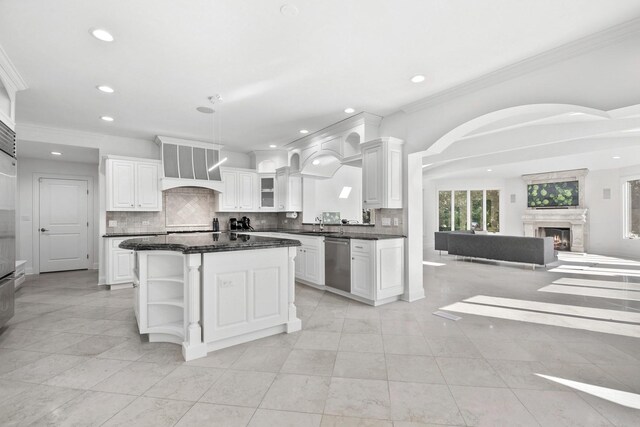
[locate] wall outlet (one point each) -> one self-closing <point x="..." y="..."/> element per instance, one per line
<point x="145" y="222"/>
<point x="386" y="222"/>
<point x="396" y="221"/>
<point x="113" y="223"/>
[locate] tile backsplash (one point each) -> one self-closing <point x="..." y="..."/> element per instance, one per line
<point x="184" y="208"/>
<point x="378" y="228"/>
<point x="193" y="208"/>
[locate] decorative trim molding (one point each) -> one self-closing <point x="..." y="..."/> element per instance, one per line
<point x="10" y="75"/>
<point x="525" y="66"/>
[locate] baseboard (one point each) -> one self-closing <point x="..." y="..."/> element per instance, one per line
<point x="28" y="271"/>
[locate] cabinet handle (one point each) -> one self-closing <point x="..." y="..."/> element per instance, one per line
<point x="352" y="258"/>
<point x="359" y="247"/>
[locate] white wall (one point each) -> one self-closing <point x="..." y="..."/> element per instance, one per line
<point x="26" y="217"/>
<point x="321" y="195"/>
<point x="235" y="159"/>
<point x="606" y="216"/>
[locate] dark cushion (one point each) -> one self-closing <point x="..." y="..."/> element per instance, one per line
<point x="441" y="238"/>
<point x="531" y="250"/>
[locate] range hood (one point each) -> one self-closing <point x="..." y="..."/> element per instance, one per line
<point x="186" y="163"/>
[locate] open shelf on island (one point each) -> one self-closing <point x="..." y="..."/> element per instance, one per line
<point x="173" y="328"/>
<point x="178" y="302"/>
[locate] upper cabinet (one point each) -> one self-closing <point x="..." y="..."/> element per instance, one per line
<point x="133" y="184"/>
<point x="267" y="202"/>
<point x="288" y="191"/>
<point x="240" y="190"/>
<point x="382" y="173"/>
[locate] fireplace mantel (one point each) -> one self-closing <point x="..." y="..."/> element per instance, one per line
<point x="575" y="219"/>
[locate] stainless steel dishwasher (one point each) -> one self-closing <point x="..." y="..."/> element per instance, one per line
<point x="337" y="264"/>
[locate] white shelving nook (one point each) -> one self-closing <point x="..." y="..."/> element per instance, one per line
<point x="160" y="278"/>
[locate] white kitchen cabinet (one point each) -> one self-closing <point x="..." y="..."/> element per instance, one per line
<point x="377" y="270"/>
<point x="382" y="173"/>
<point x="133" y="185"/>
<point x="119" y="262"/>
<point x="289" y="191"/>
<point x="361" y="270"/>
<point x="240" y="190"/>
<point x="159" y="303"/>
<point x="267" y="202"/>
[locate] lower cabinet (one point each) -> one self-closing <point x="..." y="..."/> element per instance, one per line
<point x="159" y="295"/>
<point x="119" y="262"/>
<point x="377" y="269"/>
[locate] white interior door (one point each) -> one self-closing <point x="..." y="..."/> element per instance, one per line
<point x="63" y="225"/>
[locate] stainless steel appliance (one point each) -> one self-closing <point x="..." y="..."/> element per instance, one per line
<point x="7" y="222"/>
<point x="337" y="264"/>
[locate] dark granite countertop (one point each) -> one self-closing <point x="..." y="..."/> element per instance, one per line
<point x="205" y="242"/>
<point x="134" y="234"/>
<point x="333" y="234"/>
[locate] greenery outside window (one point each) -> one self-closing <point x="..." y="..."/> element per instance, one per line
<point x="444" y="211"/>
<point x="632" y="208"/>
<point x="469" y="210"/>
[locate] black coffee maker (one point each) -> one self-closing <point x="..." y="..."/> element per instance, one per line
<point x="245" y="224"/>
<point x="233" y="224"/>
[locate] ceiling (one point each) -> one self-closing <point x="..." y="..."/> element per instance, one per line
<point x="276" y="73"/>
<point x="68" y="153"/>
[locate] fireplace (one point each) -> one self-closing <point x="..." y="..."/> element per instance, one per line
<point x="561" y="237"/>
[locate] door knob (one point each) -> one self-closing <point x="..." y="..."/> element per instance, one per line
<point x="44" y="229"/>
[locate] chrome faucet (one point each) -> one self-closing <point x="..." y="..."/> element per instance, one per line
<point x="320" y="223"/>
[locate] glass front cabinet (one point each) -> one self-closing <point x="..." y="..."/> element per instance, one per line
<point x="267" y="192"/>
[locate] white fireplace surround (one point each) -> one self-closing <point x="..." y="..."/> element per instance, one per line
<point x="572" y="218"/>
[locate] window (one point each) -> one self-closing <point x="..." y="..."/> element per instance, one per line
<point x="444" y="211"/>
<point x="469" y="210"/>
<point x="632" y="209"/>
<point x="460" y="210"/>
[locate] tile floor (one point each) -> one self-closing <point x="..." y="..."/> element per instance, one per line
<point x="72" y="356"/>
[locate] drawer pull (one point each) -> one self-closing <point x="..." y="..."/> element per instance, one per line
<point x="359" y="247"/>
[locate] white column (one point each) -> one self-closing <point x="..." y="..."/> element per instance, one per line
<point x="413" y="289"/>
<point x="193" y="347"/>
<point x="293" y="323"/>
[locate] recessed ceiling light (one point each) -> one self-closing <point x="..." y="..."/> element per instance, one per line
<point x="272" y="146"/>
<point x="205" y="110"/>
<point x="316" y="162"/>
<point x="107" y="118"/>
<point x="418" y="78"/>
<point x="349" y="110"/>
<point x="102" y="34"/>
<point x="304" y="131"/>
<point x="288" y="10"/>
<point x="489" y="170"/>
<point x="56" y="153"/>
<point x="105" y="89"/>
<point x="616" y="157"/>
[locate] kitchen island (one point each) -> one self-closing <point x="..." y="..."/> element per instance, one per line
<point x="209" y="291"/>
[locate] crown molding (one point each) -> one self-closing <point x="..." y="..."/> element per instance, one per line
<point x="330" y="131"/>
<point x="42" y="133"/>
<point x="583" y="45"/>
<point x="9" y="74"/>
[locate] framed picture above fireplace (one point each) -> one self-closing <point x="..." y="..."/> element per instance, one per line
<point x="553" y="194"/>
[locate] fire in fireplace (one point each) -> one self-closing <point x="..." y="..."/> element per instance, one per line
<point x="561" y="237"/>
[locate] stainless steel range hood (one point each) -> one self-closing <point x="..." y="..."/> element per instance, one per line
<point x="188" y="163"/>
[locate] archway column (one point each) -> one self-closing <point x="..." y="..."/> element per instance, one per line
<point x="414" y="289"/>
